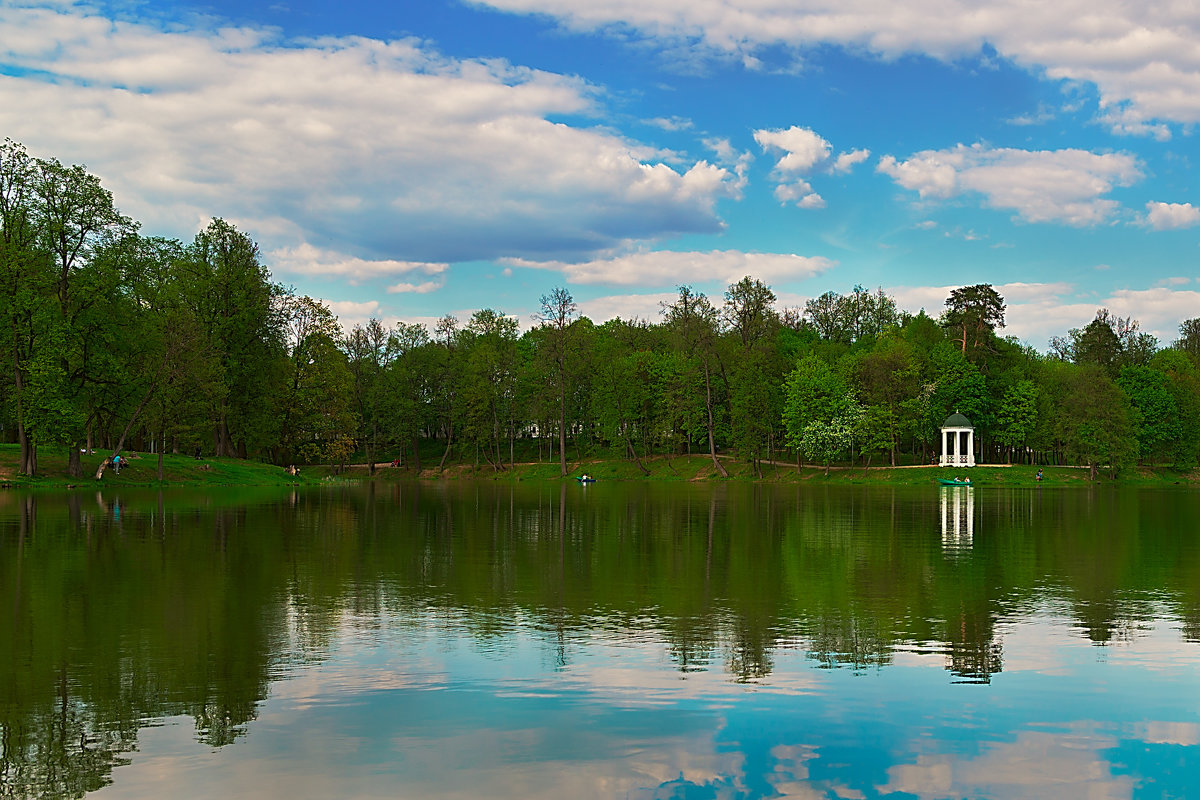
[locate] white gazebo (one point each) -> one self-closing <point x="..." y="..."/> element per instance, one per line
<point x="958" y="442"/>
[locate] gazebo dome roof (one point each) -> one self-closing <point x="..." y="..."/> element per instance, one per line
<point x="957" y="420"/>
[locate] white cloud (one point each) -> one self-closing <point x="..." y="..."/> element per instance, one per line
<point x="1144" y="58"/>
<point x="803" y="149"/>
<point x="846" y="161"/>
<point x="425" y="287"/>
<point x="304" y="259"/>
<point x="1040" y="185"/>
<point x="671" y="267"/>
<point x="671" y="123"/>
<point x="811" y="200"/>
<point x="1160" y="310"/>
<point x="1168" y="216"/>
<point x="384" y="149"/>
<point x="804" y="152"/>
<point x="728" y="156"/>
<point x="801" y="192"/>
<point x="1037" y="311"/>
<point x="626" y="306"/>
<point x="351" y="313"/>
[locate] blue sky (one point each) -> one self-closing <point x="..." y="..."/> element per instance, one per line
<point x="407" y="160"/>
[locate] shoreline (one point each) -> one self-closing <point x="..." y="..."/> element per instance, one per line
<point x="186" y="471"/>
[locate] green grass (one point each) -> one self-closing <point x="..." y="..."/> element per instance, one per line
<point x="700" y="468"/>
<point x="178" y="470"/>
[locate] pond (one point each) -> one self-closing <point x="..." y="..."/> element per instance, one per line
<point x="460" y="639"/>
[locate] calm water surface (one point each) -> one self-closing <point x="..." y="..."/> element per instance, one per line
<point x="616" y="640"/>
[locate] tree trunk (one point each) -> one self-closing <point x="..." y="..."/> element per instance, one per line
<point x="712" y="446"/>
<point x="449" y="443"/>
<point x="74" y="465"/>
<point x="562" y="424"/>
<point x="28" y="457"/>
<point x="121" y="442"/>
<point x="629" y="444"/>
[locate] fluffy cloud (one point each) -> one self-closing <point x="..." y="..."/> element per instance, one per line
<point x="383" y="149"/>
<point x="1144" y="58"/>
<point x="1040" y="185"/>
<point x="846" y="161"/>
<point x="803" y="148"/>
<point x="307" y="260"/>
<point x="804" y="152"/>
<point x="1037" y="311"/>
<point x="626" y="306"/>
<point x="1166" y="216"/>
<point x="351" y="313"/>
<point x="670" y="268"/>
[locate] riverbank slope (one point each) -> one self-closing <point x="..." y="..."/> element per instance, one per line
<point x="142" y="470"/>
<point x="180" y="470"/>
<point x="701" y="468"/>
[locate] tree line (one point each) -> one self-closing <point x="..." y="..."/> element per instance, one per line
<point x="114" y="339"/>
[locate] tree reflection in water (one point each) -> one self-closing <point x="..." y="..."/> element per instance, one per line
<point x="123" y="610"/>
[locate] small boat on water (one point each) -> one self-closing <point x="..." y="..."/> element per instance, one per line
<point x="955" y="482"/>
<point x="585" y="479"/>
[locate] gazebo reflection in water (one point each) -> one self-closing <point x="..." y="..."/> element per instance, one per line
<point x="958" y="518"/>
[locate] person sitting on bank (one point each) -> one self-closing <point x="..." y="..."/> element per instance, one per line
<point x="1038" y="477"/>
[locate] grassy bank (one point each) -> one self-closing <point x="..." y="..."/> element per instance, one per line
<point x="700" y="468"/>
<point x="180" y="470"/>
<point x="142" y="470"/>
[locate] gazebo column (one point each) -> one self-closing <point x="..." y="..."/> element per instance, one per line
<point x="958" y="441"/>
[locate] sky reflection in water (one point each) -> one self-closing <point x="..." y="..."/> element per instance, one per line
<point x="451" y="664"/>
<point x="422" y="714"/>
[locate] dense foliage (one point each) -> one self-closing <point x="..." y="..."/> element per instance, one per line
<point x="116" y="339"/>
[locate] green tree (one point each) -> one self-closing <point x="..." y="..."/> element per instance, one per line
<point x="25" y="283"/>
<point x="409" y="388"/>
<point x="1189" y="339"/>
<point x="489" y="383"/>
<point x="972" y="315"/>
<point x="889" y="384"/>
<point x="230" y="293"/>
<point x="1157" y="414"/>
<point x="1097" y="421"/>
<point x="367" y="353"/>
<point x="823" y="439"/>
<point x="1017" y="416"/>
<point x="1183" y="382"/>
<point x="557" y="310"/>
<point x="693" y="323"/>
<point x="815" y="399"/>
<point x="314" y="409"/>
